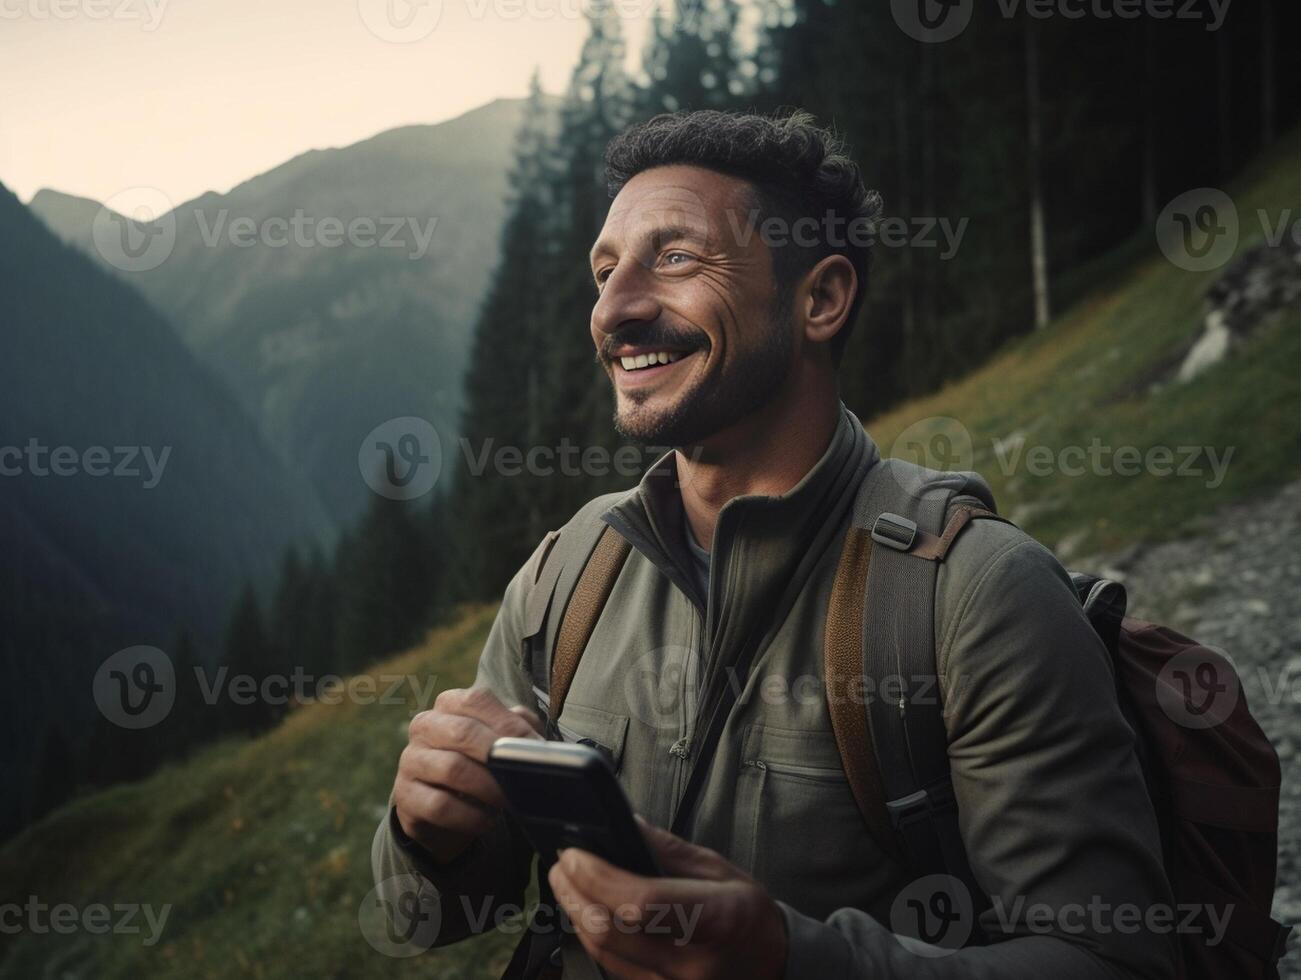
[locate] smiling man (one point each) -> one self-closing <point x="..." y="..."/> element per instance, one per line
<point x="684" y="627"/>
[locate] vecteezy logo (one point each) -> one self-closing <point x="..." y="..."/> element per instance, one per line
<point x="932" y="21"/>
<point x="933" y="916"/>
<point x="400" y="21"/>
<point x="1198" y="231"/>
<point x="398" y="919"/>
<point x="936" y="443"/>
<point x="661" y="683"/>
<point x="135" y="230"/>
<point x="401" y="459"/>
<point x="135" y="688"/>
<point x="1198" y="688"/>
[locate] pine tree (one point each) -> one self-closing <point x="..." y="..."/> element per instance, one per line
<point x="248" y="653"/>
<point x="384" y="585"/>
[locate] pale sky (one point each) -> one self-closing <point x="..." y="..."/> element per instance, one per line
<point x="98" y="96"/>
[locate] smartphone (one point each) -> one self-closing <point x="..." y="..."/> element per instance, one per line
<point x="566" y="795"/>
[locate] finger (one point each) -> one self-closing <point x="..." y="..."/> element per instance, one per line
<point x="676" y="905"/>
<point x="600" y="881"/>
<point x="480" y="703"/>
<point x="685" y="859"/>
<point x="451" y="770"/>
<point x="616" y="965"/>
<point x="420" y="806"/>
<point x="454" y="732"/>
<point x="623" y="950"/>
<point x="531" y="717"/>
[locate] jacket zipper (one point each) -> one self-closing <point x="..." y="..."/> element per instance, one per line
<point x="801" y="772"/>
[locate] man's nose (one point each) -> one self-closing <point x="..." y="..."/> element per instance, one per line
<point x="627" y="297"/>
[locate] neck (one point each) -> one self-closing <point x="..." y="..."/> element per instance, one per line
<point x="767" y="453"/>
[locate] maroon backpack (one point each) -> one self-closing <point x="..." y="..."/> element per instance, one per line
<point x="1214" y="777"/>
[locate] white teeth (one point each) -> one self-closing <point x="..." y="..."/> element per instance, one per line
<point x="648" y="360"/>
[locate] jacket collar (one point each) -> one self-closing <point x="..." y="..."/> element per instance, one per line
<point x="759" y="540"/>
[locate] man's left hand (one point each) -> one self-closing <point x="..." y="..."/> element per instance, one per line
<point x="705" y="919"/>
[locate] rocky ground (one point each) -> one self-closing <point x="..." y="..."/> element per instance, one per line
<point x="1236" y="585"/>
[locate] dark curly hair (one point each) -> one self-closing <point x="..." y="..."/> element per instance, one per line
<point x="796" y="168"/>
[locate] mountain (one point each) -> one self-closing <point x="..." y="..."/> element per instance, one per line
<point x="135" y="494"/>
<point x="335" y="292"/>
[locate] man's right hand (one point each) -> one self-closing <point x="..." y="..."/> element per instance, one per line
<point x="444" y="795"/>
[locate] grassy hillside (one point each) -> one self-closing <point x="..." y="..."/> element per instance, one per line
<point x="1091" y="375"/>
<point x="262" y="848"/>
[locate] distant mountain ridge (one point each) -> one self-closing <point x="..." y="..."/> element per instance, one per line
<point x="135" y="497"/>
<point x="322" y="341"/>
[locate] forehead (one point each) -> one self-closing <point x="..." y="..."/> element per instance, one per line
<point x="680" y="201"/>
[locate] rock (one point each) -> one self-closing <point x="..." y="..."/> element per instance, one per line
<point x="1259" y="283"/>
<point x="1211" y="348"/>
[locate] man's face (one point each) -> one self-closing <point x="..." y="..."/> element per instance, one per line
<point x="687" y="321"/>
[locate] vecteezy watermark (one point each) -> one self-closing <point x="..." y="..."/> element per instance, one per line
<point x="136" y="688"/>
<point x="304" y="230"/>
<point x="399" y="918"/>
<point x="566" y="458"/>
<point x="400" y="21"/>
<point x="96" y="919"/>
<point x="1102" y="459"/>
<point x="933" y="915"/>
<point x="943" y="443"/>
<point x="1200" y="229"/>
<point x="662" y="683"/>
<point x="937" y="21"/>
<point x="39" y="460"/>
<point x="1100" y="917"/>
<point x="837" y="231"/>
<point x="136" y="230"/>
<point x="1198" y="688"/>
<point x="407" y="21"/>
<point x="401" y="459"/>
<point x="1211" y="12"/>
<point x="932" y="21"/>
<point x="149" y="12"/>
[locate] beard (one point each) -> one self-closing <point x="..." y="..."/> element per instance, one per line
<point x="750" y="382"/>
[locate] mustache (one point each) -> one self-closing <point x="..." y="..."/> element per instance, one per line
<point x="652" y="335"/>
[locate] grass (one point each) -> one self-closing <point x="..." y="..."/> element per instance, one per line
<point x="1093" y="375"/>
<point x="261" y="849"/>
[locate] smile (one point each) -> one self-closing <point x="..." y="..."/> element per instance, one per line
<point x="641" y="369"/>
<point x="639" y="362"/>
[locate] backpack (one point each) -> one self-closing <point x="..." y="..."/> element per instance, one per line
<point x="1213" y="776"/>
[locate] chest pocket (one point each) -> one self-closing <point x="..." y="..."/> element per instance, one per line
<point x="605" y="730"/>
<point x="797" y="827"/>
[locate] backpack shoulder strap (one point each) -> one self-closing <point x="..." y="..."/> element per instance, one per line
<point x="880" y="640"/>
<point x="575" y="577"/>
<point x="584" y="608"/>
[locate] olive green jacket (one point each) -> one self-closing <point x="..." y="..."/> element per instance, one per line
<point x="1053" y="809"/>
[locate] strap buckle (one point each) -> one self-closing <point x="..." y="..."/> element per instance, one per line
<point x="921" y="805"/>
<point x="1281" y="935"/>
<point x="894" y="532"/>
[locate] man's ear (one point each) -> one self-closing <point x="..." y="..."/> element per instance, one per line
<point x="828" y="293"/>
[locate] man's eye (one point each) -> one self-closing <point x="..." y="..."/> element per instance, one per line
<point x="676" y="258"/>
